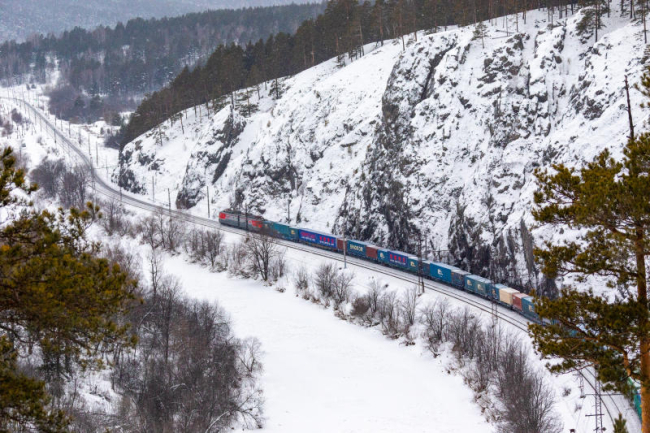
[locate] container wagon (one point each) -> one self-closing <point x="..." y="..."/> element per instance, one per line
<point x="458" y="277"/>
<point x="441" y="272"/>
<point x="528" y="305"/>
<point x="517" y="301"/>
<point x="282" y="231"/>
<point x="478" y="285"/>
<point x="414" y="264"/>
<point x="356" y="248"/>
<point x="505" y="294"/>
<point x="398" y="259"/>
<point x="322" y="240"/>
<point x="362" y="249"/>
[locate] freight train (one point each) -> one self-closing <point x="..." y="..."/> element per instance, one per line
<point x="441" y="272"/>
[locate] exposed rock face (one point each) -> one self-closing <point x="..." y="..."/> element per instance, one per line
<point x="434" y="144"/>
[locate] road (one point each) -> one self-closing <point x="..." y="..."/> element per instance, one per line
<point x="612" y="404"/>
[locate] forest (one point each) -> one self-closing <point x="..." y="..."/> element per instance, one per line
<point x="142" y="55"/>
<point x="340" y="31"/>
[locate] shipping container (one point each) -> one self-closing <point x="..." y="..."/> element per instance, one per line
<point x="476" y="284"/>
<point x="356" y="248"/>
<point x="516" y="301"/>
<point x="441" y="272"/>
<point x="382" y="256"/>
<point x="281" y="230"/>
<point x="414" y="264"/>
<point x="505" y="294"/>
<point x="323" y="240"/>
<point x="426" y="268"/>
<point x="493" y="292"/>
<point x="528" y="305"/>
<point x="371" y="252"/>
<point x="458" y="277"/>
<point x="398" y="259"/>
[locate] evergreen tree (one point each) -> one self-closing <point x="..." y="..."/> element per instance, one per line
<point x="609" y="202"/>
<point x="620" y="424"/>
<point x="56" y="295"/>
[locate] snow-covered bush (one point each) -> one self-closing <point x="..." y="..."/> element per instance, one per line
<point x="301" y="280"/>
<point x="496" y="365"/>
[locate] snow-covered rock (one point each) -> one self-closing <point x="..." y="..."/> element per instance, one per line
<point x="437" y="142"/>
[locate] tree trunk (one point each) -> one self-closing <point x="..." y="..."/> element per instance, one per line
<point x="642" y="294"/>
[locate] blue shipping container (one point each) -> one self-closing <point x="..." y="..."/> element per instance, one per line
<point x="441" y="272"/>
<point x="282" y="230"/>
<point x="382" y="256"/>
<point x="528" y="307"/>
<point x="315" y="238"/>
<point x="476" y="284"/>
<point x="458" y="278"/>
<point x="356" y="248"/>
<point x="493" y="292"/>
<point x="399" y="260"/>
<point x="414" y="264"/>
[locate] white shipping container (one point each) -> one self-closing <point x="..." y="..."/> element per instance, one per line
<point x="505" y="295"/>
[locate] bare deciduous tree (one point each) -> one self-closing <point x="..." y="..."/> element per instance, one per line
<point x="48" y="176"/>
<point x="72" y="191"/>
<point x="325" y="280"/>
<point x="342" y="289"/>
<point x="212" y="241"/>
<point x="408" y="307"/>
<point x="113" y="220"/>
<point x="374" y="295"/>
<point x="262" y="249"/>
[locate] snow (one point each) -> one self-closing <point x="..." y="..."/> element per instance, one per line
<point x="329" y="128"/>
<point x="324" y="375"/>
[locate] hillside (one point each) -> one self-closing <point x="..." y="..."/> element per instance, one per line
<point x="439" y="139"/>
<point x="21" y="19"/>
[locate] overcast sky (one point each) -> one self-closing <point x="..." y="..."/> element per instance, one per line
<point x="20" y="18"/>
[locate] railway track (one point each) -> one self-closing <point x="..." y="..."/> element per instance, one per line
<point x="613" y="404"/>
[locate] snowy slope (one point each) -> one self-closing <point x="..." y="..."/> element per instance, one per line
<point x="439" y="140"/>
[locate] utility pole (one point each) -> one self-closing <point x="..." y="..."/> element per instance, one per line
<point x="598" y="408"/>
<point x="153" y="189"/>
<point x="420" y="266"/>
<point x="169" y="198"/>
<point x="345" y="246"/>
<point x="289" y="210"/>
<point x="207" y="191"/>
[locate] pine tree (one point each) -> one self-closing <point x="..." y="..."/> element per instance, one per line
<point x="620" y="424"/>
<point x="609" y="202"/>
<point x="480" y="31"/>
<point x="56" y="294"/>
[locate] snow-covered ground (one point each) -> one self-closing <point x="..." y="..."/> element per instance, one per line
<point x="329" y="129"/>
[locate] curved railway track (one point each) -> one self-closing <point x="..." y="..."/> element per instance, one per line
<point x="613" y="404"/>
